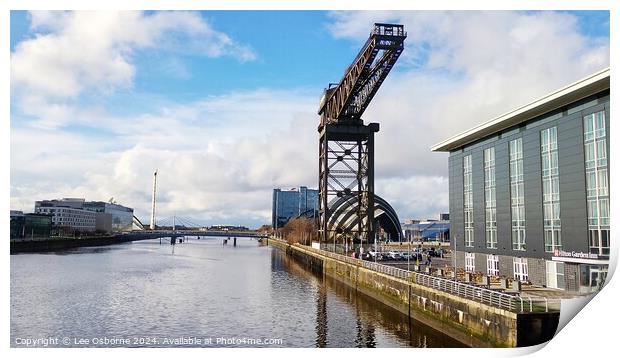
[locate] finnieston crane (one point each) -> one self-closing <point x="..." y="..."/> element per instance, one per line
<point x="346" y="144"/>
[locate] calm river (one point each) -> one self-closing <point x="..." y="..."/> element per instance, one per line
<point x="198" y="293"/>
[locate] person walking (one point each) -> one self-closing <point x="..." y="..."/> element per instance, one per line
<point x="428" y="259"/>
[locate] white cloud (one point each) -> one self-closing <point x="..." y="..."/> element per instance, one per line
<point x="460" y="69"/>
<point x="220" y="157"/>
<point x="72" y="53"/>
<point x="417" y="196"/>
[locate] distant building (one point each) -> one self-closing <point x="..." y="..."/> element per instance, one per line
<point x="121" y="216"/>
<point x="103" y="222"/>
<point x="227" y="228"/>
<point x="289" y="204"/>
<point x="427" y="230"/>
<point x="30" y="226"/>
<point x="67" y="213"/>
<point x="78" y="214"/>
<point x="530" y="190"/>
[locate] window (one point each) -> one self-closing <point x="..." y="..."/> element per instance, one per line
<point x="551" y="189"/>
<point x="591" y="277"/>
<point x="555" y="274"/>
<point x="597" y="183"/>
<point x="492" y="265"/>
<point x="470" y="262"/>
<point x="489" y="198"/>
<point x="468" y="201"/>
<point x="517" y="200"/>
<point x="520" y="268"/>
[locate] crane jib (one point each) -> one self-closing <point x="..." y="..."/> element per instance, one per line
<point x="349" y="99"/>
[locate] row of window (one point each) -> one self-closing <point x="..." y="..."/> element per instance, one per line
<point x="490" y="199"/>
<point x="517" y="201"/>
<point x="591" y="277"/>
<point x="73" y="220"/>
<point x="597" y="188"/>
<point x="520" y="270"/>
<point x="468" y="201"/>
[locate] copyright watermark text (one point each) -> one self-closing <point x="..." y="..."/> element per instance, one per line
<point x="177" y="341"/>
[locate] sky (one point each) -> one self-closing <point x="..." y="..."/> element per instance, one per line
<point x="224" y="103"/>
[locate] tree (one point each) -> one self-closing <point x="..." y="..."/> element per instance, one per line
<point x="300" y="230"/>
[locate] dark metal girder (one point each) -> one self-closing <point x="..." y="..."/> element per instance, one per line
<point x="353" y="178"/>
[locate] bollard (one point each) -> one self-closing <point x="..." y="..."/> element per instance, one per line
<point x="467" y="277"/>
<point x="234" y="241"/>
<point x="516" y="285"/>
<point x="440" y="272"/>
<point x="486" y="281"/>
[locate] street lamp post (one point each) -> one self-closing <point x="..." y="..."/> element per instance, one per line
<point x="454" y="253"/>
<point x="409" y="253"/>
<point x="375" y="247"/>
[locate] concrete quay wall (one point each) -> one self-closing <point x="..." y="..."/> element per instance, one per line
<point x="472" y="323"/>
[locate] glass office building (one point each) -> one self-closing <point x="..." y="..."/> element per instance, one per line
<point x="122" y="217"/>
<point x="30" y="226"/>
<point x="288" y="204"/>
<point x="529" y="190"/>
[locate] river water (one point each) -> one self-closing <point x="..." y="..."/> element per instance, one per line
<point x="198" y="293"/>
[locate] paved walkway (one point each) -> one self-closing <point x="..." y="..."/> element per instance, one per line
<point x="526" y="290"/>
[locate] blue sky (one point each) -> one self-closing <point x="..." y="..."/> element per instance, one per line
<point x="224" y="102"/>
<point x="293" y="49"/>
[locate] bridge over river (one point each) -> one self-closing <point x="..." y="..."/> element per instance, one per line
<point x="157" y="234"/>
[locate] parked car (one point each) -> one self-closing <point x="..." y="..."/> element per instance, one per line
<point x="375" y="255"/>
<point x="393" y="255"/>
<point x="435" y="253"/>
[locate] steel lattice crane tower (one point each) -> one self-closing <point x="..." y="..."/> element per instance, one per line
<point x="346" y="145"/>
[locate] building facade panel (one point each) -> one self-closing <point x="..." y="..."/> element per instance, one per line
<point x="455" y="187"/>
<point x="502" y="179"/>
<point x="505" y="266"/>
<point x="572" y="184"/>
<point x="481" y="262"/>
<point x="537" y="271"/>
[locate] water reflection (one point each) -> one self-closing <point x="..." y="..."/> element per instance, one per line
<point x="348" y="318"/>
<point x="205" y="289"/>
<point x="321" y="317"/>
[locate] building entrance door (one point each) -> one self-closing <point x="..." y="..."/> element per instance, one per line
<point x="597" y="278"/>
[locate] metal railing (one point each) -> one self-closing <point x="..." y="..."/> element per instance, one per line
<point x="509" y="301"/>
